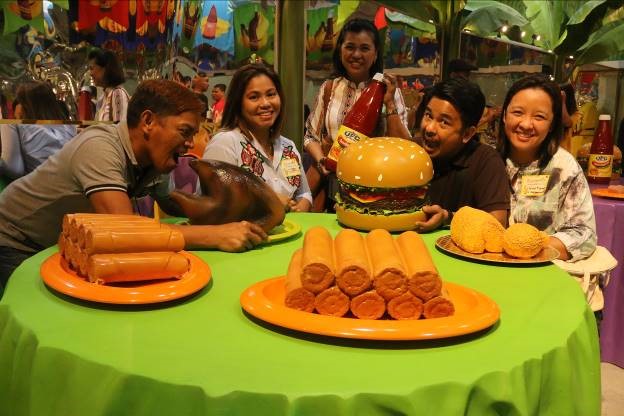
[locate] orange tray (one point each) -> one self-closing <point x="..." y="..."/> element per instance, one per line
<point x="473" y="312"/>
<point x="57" y="274"/>
<point x="607" y="193"/>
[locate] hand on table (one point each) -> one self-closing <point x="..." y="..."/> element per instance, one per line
<point x="303" y="205"/>
<point x="239" y="236"/>
<point x="436" y="216"/>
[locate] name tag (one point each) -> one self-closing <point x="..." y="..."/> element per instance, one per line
<point x="290" y="167"/>
<point x="534" y="185"/>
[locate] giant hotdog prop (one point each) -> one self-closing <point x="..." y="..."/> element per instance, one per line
<point x="370" y="277"/>
<point x="107" y="248"/>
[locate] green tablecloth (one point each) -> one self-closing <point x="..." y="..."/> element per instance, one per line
<point x="204" y="356"/>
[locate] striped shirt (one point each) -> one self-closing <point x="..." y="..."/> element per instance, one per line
<point x="112" y="105"/>
<point x="344" y="94"/>
<point x="565" y="210"/>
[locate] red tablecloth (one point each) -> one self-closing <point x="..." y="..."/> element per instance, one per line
<point x="610" y="229"/>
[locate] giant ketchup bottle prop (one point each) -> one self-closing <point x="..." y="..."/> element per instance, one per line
<point x="360" y="121"/>
<point x="600" y="161"/>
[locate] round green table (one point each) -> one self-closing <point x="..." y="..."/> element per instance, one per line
<point x="204" y="356"/>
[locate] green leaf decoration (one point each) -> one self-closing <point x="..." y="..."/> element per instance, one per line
<point x="517" y="5"/>
<point x="421" y="9"/>
<point x="613" y="15"/>
<point x="419" y="25"/>
<point x="491" y="18"/>
<point x="585" y="9"/>
<point x="547" y="18"/>
<point x="605" y="44"/>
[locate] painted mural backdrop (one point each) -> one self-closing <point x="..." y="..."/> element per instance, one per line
<point x="321" y="33"/>
<point x="255" y="31"/>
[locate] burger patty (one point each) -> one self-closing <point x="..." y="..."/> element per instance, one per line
<point x="386" y="203"/>
<point x="382" y="199"/>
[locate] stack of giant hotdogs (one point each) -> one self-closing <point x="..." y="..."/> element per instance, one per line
<point x="106" y="248"/>
<point x="369" y="276"/>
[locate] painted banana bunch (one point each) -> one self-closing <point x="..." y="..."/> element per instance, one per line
<point x="315" y="42"/>
<point x="255" y="35"/>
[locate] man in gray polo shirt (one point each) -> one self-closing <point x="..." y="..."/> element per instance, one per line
<point x="103" y="168"/>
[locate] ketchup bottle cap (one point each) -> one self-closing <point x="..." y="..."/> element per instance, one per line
<point x="601" y="116"/>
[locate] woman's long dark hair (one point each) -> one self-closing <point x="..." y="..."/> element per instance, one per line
<point x="357" y="26"/>
<point x="113" y="73"/>
<point x="232" y="114"/>
<point x="551" y="143"/>
<point x="570" y="101"/>
<point x="39" y="102"/>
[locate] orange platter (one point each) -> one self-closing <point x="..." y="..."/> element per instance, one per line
<point x="607" y="193"/>
<point x="446" y="244"/>
<point x="57" y="274"/>
<point x="473" y="312"/>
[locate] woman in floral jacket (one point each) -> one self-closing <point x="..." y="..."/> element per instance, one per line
<point x="250" y="135"/>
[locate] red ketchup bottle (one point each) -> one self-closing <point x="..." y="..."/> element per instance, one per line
<point x="84" y="105"/>
<point x="600" y="161"/>
<point x="360" y="121"/>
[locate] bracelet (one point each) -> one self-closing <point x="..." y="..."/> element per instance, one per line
<point x="321" y="163"/>
<point x="392" y="112"/>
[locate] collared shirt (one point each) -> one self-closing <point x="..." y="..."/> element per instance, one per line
<point x="476" y="177"/>
<point x="284" y="174"/>
<point x="112" y="105"/>
<point x="98" y="159"/>
<point x="344" y="94"/>
<point x="26" y="146"/>
<point x="565" y="209"/>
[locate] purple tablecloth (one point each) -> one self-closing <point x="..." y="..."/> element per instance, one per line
<point x="610" y="229"/>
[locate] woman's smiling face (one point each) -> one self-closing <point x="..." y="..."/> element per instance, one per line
<point x="261" y="104"/>
<point x="528" y="120"/>
<point x="358" y="54"/>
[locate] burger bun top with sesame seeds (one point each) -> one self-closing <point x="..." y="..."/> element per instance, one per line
<point x="385" y="162"/>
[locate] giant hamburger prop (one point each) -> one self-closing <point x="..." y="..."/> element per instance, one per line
<point x="382" y="184"/>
